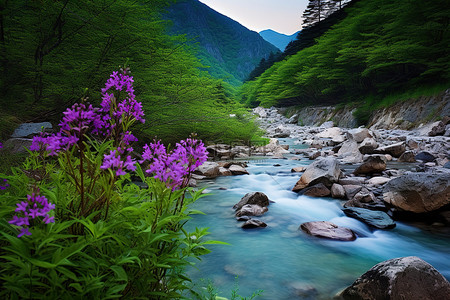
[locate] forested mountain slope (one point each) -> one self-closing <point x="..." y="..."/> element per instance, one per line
<point x="226" y="46"/>
<point x="381" y="47"/>
<point x="53" y="53"/>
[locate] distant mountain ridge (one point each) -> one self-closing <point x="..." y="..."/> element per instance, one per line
<point x="229" y="48"/>
<point x="277" y="39"/>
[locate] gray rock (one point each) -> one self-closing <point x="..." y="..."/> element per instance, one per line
<point x="253" y="198"/>
<point x="350" y="153"/>
<point x="317" y="190"/>
<point x="324" y="229"/>
<point x="447" y="165"/>
<point x="208" y="169"/>
<point x="374" y="164"/>
<point x="377" y="219"/>
<point x="352" y="180"/>
<point x="238" y="170"/>
<point x="368" y="146"/>
<point x="408" y="156"/>
<point x="400" y="278"/>
<point x="298" y="169"/>
<point x="418" y="192"/>
<point x="17" y="145"/>
<point x="251" y="210"/>
<point x="29" y="129"/>
<point x="323" y="170"/>
<point x="358" y="134"/>
<point x="224" y="172"/>
<point x="351" y="190"/>
<point x="337" y="191"/>
<point x="252" y="223"/>
<point x="425" y="157"/>
<point x="396" y="150"/>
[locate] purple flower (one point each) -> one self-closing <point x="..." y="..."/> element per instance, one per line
<point x="174" y="167"/>
<point x="4" y="185"/>
<point x="114" y="161"/>
<point x="36" y="206"/>
<point x="1" y="145"/>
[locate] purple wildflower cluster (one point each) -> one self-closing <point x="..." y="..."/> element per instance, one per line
<point x="106" y="121"/>
<point x="114" y="162"/>
<point x="4" y="185"/>
<point x="174" y="167"/>
<point x="36" y="206"/>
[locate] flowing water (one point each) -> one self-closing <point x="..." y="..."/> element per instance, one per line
<point x="282" y="260"/>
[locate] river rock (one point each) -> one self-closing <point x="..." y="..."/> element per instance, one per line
<point x="374" y="164"/>
<point x="208" y="169"/>
<point x="418" y="192"/>
<point x="377" y="219"/>
<point x="350" y="153"/>
<point x="396" y="150"/>
<point x="351" y="190"/>
<point x="298" y="169"/>
<point x="352" y="180"/>
<point x="252" y="198"/>
<point x="378" y="180"/>
<point x="408" y="278"/>
<point x="440" y="128"/>
<point x="260" y="111"/>
<point x="251" y="210"/>
<point x="224" y="172"/>
<point x="408" y="156"/>
<point x="425" y="157"/>
<point x="331" y="133"/>
<point x="358" y="134"/>
<point x="337" y="191"/>
<point x="368" y="146"/>
<point x="324" y="229"/>
<point x="314" y="155"/>
<point x="253" y="223"/>
<point x="317" y="190"/>
<point x="323" y="170"/>
<point x="238" y="170"/>
<point x="29" y="129"/>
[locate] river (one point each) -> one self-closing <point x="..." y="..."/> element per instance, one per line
<point x="282" y="260"/>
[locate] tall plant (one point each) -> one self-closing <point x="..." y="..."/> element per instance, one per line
<point x="80" y="228"/>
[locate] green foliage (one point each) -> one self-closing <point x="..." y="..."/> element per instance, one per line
<point x="50" y="51"/>
<point x="381" y="47"/>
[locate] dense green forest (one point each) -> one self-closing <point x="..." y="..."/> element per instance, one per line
<point x="52" y="53"/>
<point x="380" y="48"/>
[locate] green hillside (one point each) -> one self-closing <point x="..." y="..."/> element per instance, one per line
<point x="382" y="47"/>
<point x="53" y="53"/>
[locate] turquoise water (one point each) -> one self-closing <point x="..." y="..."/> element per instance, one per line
<point x="282" y="260"/>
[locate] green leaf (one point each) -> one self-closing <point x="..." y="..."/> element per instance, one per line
<point x="120" y="272"/>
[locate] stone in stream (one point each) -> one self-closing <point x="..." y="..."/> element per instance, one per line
<point x="298" y="169"/>
<point x="317" y="190"/>
<point x="337" y="191"/>
<point x="418" y="192"/>
<point x="323" y="170"/>
<point x="358" y="134"/>
<point x="377" y="219"/>
<point x="253" y="198"/>
<point x="408" y="157"/>
<point x="251" y="210"/>
<point x="373" y="164"/>
<point x="409" y="278"/>
<point x="350" y="153"/>
<point x="238" y="170"/>
<point x="224" y="172"/>
<point x="324" y="229"/>
<point x="351" y="190"/>
<point x="253" y="223"/>
<point x="396" y="150"/>
<point x="425" y="157"/>
<point x="208" y="169"/>
<point x="368" y="146"/>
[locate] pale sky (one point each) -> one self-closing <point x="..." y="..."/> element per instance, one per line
<point x="283" y="16"/>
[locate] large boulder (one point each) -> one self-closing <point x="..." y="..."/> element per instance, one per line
<point x="418" y="192"/>
<point x="323" y="170"/>
<point x="408" y="278"/>
<point x="252" y="198"/>
<point x="17" y="145"/>
<point x="251" y="210"/>
<point x="368" y="146"/>
<point x="358" y="134"/>
<point x="29" y="129"/>
<point x="238" y="170"/>
<point x="377" y="219"/>
<point x="373" y="164"/>
<point x="208" y="169"/>
<point x="396" y="150"/>
<point x="425" y="157"/>
<point x="350" y="153"/>
<point x="332" y="133"/>
<point x="328" y="230"/>
<point x="317" y="190"/>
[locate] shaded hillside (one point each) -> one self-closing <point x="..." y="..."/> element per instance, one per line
<point x="381" y="48"/>
<point x="278" y="39"/>
<point x="230" y="49"/>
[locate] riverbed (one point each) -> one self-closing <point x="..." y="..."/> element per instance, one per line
<point x="282" y="260"/>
